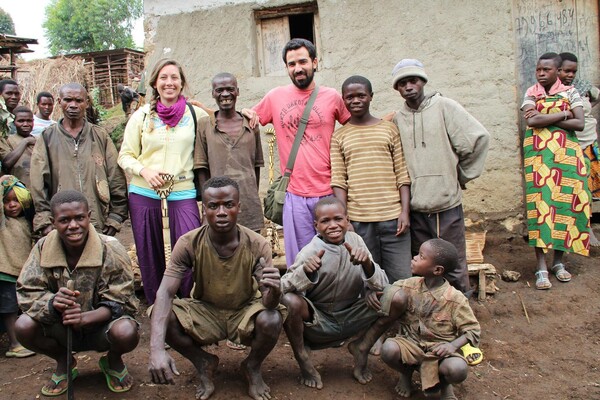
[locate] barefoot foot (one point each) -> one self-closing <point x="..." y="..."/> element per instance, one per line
<point x="361" y="372"/>
<point x="206" y="367"/>
<point x="404" y="386"/>
<point x="257" y="388"/>
<point x="447" y="392"/>
<point x="309" y="375"/>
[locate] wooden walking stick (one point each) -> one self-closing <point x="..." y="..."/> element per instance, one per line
<point x="163" y="192"/>
<point x="272" y="235"/>
<point x="70" y="391"/>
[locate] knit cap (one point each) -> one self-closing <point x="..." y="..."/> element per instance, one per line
<point x="408" y="67"/>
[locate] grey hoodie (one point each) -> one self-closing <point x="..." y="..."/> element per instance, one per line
<point x="444" y="147"/>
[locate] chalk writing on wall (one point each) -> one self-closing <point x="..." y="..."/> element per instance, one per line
<point x="548" y="26"/>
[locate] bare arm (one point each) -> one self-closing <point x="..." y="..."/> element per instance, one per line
<point x="162" y="367"/>
<point x="537" y="120"/>
<point x="202" y="175"/>
<point x="341" y="195"/>
<point x="269" y="283"/>
<point x="404" y="218"/>
<point x="576" y="123"/>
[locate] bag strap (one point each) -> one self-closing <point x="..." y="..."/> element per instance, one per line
<point x="301" y="128"/>
<point x="193" y="116"/>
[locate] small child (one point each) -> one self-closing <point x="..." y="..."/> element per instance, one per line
<point x="437" y="322"/>
<point x="15" y="245"/>
<point x="16" y="150"/>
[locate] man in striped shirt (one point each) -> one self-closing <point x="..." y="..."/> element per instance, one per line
<point x="369" y="175"/>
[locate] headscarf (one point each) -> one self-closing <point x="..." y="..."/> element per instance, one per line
<point x="21" y="192"/>
<point x="171" y="115"/>
<point x="537" y="91"/>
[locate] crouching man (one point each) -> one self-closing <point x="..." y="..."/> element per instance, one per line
<point x="236" y="295"/>
<point x="99" y="309"/>
<point x="324" y="292"/>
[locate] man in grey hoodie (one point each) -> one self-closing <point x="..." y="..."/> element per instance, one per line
<point x="437" y="128"/>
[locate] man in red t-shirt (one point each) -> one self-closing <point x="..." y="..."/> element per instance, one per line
<point x="311" y="177"/>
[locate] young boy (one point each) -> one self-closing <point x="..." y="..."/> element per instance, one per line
<point x="445" y="147"/>
<point x="100" y="310"/>
<point x="437" y="322"/>
<point x="15" y="150"/>
<point x="369" y="175"/>
<point x="324" y="292"/>
<point x="15" y="244"/>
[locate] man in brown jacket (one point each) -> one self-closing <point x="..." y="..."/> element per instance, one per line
<point x="74" y="154"/>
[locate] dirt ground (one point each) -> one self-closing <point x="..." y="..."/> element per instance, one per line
<point x="554" y="356"/>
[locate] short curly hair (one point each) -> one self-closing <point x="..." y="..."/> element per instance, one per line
<point x="444" y="254"/>
<point x="67" y="196"/>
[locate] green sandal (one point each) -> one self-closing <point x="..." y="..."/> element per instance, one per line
<point x="57" y="379"/>
<point x="110" y="373"/>
<point x="561" y="273"/>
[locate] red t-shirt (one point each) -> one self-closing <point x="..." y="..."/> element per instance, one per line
<point x="283" y="107"/>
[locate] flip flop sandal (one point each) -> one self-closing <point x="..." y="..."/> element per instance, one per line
<point x="542" y="282"/>
<point x="57" y="379"/>
<point x="110" y="373"/>
<point x="561" y="273"/>
<point x="19" y="352"/>
<point x="235" y="346"/>
<point x="469" y="351"/>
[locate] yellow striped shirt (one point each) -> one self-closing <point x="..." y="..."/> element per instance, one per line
<point x="368" y="163"/>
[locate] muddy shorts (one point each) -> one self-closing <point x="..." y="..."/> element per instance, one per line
<point x="8" y="298"/>
<point x="330" y="328"/>
<point x="412" y="353"/>
<point x="95" y="339"/>
<point x="207" y="324"/>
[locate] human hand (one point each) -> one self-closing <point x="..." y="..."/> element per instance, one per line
<point x="532" y="112"/>
<point x="443" y="349"/>
<point x="314" y="263"/>
<point x="30" y="140"/>
<point x="270" y="275"/>
<point x="152" y="177"/>
<point x="109" y="230"/>
<point x="568" y="114"/>
<point x="162" y="367"/>
<point x="252" y="117"/>
<point x="64" y="299"/>
<point x="403" y="224"/>
<point x="72" y="316"/>
<point x="372" y="300"/>
<point x="359" y="256"/>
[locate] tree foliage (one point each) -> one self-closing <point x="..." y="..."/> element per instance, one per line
<point x="7" y="26"/>
<point x="90" y="25"/>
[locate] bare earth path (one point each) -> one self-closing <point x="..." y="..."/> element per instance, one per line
<point x="555" y="357"/>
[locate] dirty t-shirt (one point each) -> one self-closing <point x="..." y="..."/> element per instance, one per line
<point x="224" y="282"/>
<point x="23" y="164"/>
<point x="236" y="157"/>
<point x="283" y="106"/>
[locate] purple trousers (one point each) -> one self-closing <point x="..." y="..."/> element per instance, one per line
<point x="146" y="223"/>
<point x="298" y="224"/>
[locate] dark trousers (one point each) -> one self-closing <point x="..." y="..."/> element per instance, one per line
<point x="450" y="226"/>
<point x="391" y="252"/>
